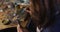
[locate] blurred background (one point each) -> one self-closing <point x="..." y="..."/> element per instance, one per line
<point x="10" y="11"/>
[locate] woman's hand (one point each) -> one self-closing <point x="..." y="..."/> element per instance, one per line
<point x="19" y="29"/>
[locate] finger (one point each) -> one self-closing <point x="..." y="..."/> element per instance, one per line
<point x="19" y="29"/>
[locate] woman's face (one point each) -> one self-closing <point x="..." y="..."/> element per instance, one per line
<point x="34" y="12"/>
<point x="31" y="10"/>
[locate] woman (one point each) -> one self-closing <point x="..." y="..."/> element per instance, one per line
<point x="45" y="15"/>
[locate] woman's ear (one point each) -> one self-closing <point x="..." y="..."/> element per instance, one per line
<point x="28" y="10"/>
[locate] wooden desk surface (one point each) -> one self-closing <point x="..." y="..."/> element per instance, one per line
<point x="2" y="26"/>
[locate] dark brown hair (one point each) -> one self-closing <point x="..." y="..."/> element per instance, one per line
<point x="37" y="14"/>
<point x="39" y="10"/>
